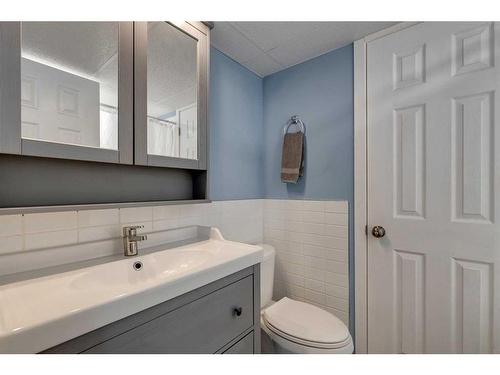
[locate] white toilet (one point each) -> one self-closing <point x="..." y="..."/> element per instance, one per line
<point x="290" y="326"/>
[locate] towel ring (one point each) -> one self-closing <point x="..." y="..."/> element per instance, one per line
<point x="295" y="120"/>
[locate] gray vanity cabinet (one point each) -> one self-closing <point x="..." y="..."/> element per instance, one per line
<point x="221" y="317"/>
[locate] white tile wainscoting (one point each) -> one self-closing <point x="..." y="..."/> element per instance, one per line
<point x="311" y="241"/>
<point x="33" y="241"/>
<point x="310" y="238"/>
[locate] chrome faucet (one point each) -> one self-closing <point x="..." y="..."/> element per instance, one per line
<point x="130" y="239"/>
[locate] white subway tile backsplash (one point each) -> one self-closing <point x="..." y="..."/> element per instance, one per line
<point x="314" y="251"/>
<point x="50" y="221"/>
<point x="136" y="214"/>
<point x="315" y="297"/>
<point x="294" y="237"/>
<point x="315" y="285"/>
<point x="293" y="279"/>
<point x="295" y="247"/>
<point x="166" y="212"/>
<point x="313" y="262"/>
<point x="336" y="206"/>
<point x="337" y="291"/>
<point x="334" y="254"/>
<point x="93" y="218"/>
<point x="50" y="239"/>
<point x="190" y="210"/>
<point x="311" y="238"/>
<point x="335" y="230"/>
<point x="63" y="237"/>
<point x="159" y="225"/>
<point x="314" y="273"/>
<point x="336" y="218"/>
<point x="100" y="233"/>
<point x="11" y="225"/>
<point x="336" y="267"/>
<point x="294" y="268"/>
<point x="11" y="244"/>
<point x="313" y="217"/>
<point x="274" y="204"/>
<point x="337" y="303"/>
<point x="295" y="205"/>
<point x="314" y="205"/>
<point x="312" y="228"/>
<point x="336" y="278"/>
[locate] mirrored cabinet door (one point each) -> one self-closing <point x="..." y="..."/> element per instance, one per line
<point x="171" y="62"/>
<point x="72" y="89"/>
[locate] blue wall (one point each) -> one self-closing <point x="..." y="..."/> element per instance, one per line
<point x="247" y="115"/>
<point x="236" y="130"/>
<point x="320" y="91"/>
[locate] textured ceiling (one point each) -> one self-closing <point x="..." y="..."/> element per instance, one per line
<point x="172" y="73"/>
<point x="78" y="46"/>
<point x="268" y="47"/>
<point x="89" y="49"/>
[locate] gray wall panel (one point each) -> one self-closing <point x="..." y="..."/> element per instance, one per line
<point x="31" y="181"/>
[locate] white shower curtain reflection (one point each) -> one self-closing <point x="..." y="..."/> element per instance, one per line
<point x="163" y="136"/>
<point x="108" y="127"/>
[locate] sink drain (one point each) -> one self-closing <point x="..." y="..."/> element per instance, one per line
<point x="137" y="266"/>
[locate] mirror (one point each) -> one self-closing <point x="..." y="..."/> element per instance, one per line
<point x="172" y="99"/>
<point x="69" y="83"/>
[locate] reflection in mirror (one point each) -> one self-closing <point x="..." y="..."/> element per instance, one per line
<point x="69" y="82"/>
<point x="172" y="92"/>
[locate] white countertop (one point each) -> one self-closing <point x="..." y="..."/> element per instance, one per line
<point x="39" y="313"/>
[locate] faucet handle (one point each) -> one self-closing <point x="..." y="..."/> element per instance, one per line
<point x="135" y="227"/>
<point x="131" y="229"/>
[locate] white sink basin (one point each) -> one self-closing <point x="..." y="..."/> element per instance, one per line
<point x="39" y="313"/>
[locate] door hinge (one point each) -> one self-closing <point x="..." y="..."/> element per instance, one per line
<point x="366" y="230"/>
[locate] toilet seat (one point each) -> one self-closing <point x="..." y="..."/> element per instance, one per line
<point x="303" y="328"/>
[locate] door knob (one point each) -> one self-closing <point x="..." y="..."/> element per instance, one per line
<point x="378" y="231"/>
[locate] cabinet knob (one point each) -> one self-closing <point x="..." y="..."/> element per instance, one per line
<point x="237" y="311"/>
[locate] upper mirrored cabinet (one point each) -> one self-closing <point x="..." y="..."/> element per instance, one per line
<point x="67" y="90"/>
<point x="116" y="92"/>
<point x="171" y="91"/>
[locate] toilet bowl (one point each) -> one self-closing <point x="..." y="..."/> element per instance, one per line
<point x="290" y="326"/>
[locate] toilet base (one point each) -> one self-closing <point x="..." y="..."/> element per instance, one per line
<point x="268" y="346"/>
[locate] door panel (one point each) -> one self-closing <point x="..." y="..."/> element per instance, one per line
<point x="433" y="184"/>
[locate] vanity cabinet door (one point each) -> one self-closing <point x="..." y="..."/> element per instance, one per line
<point x="244" y="346"/>
<point x="202" y="326"/>
<point x="171" y="90"/>
<point x="66" y="90"/>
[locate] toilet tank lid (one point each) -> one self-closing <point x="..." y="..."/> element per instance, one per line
<point x="269" y="250"/>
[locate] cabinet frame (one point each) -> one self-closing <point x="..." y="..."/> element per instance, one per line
<point x="200" y="32"/>
<point x="11" y="141"/>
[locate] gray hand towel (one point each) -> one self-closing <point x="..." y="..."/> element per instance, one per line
<point x="292" y="159"/>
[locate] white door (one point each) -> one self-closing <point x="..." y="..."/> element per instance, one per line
<point x="434" y="185"/>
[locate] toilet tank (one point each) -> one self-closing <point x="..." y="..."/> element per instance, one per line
<point x="267" y="275"/>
